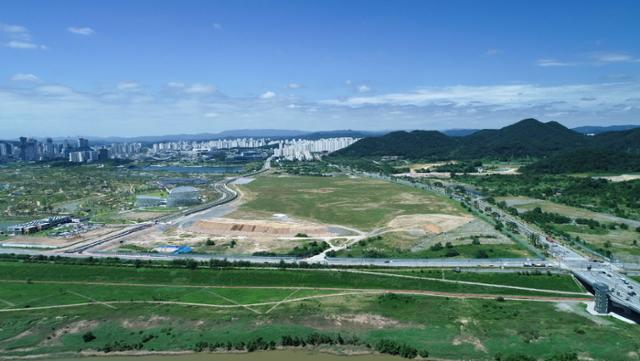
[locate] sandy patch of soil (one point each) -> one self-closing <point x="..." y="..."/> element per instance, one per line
<point x="228" y="226"/>
<point x="22" y="334"/>
<point x="622" y="177"/>
<point x="362" y="319"/>
<point x="472" y="340"/>
<point x="579" y="310"/>
<point x="319" y="190"/>
<point x="74" y="327"/>
<point x="430" y="223"/>
<point x="141" y="322"/>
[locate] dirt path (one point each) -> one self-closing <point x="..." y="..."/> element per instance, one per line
<point x="443" y="280"/>
<point x="288" y="299"/>
<point x="492" y="285"/>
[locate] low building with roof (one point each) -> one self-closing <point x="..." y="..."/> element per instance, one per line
<point x="183" y="196"/>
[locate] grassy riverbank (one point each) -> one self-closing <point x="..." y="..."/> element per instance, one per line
<point x="60" y="309"/>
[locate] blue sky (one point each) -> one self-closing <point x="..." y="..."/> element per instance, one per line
<point x="158" y="67"/>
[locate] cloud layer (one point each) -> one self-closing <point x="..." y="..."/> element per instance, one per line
<point x="131" y="108"/>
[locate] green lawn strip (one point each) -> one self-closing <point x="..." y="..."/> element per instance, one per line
<point x="154" y="278"/>
<point x="447" y="328"/>
<point x="378" y="249"/>
<point x="529" y="279"/>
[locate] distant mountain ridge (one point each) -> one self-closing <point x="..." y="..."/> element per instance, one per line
<point x="594" y="129"/>
<point x="526" y="138"/>
<point x="231" y="134"/>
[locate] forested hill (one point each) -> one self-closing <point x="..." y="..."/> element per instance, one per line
<point x="415" y="144"/>
<point x="526" y="138"/>
<point x="584" y="161"/>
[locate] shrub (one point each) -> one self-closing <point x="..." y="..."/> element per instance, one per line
<point x="88" y="337"/>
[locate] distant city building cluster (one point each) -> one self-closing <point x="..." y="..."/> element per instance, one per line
<point x="302" y="149"/>
<point x="236" y="150"/>
<point x="80" y="151"/>
<point x="189" y="146"/>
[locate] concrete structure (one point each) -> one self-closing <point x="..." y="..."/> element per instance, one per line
<point x="149" y="201"/>
<point x="601" y="291"/>
<point x="183" y="196"/>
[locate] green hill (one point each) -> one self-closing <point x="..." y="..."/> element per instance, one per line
<point x="415" y="144"/>
<point x="527" y="137"/>
<point x="560" y="150"/>
<point x="585" y="160"/>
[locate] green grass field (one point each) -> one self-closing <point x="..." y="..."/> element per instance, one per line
<point x="470" y="329"/>
<point x="385" y="247"/>
<point x="619" y="241"/>
<point x="41" y="272"/>
<point x="362" y="203"/>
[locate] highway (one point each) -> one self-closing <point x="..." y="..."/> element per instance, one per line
<point x="623" y="292"/>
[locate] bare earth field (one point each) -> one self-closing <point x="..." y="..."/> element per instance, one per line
<point x="273" y="211"/>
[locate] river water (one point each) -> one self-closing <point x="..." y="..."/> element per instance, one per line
<point x="252" y="356"/>
<point x="183" y="169"/>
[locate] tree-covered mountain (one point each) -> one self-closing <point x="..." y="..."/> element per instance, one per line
<point x="623" y="141"/>
<point x="528" y="137"/>
<point x="585" y="161"/>
<point x="415" y="144"/>
<point x="595" y="129"/>
<point x="559" y="149"/>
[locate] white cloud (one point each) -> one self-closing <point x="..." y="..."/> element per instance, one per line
<point x="55" y="90"/>
<point x="19" y="37"/>
<point x="500" y="96"/>
<point x="86" y="31"/>
<point x="268" y="95"/>
<point x="129" y="86"/>
<point x="16" y="30"/>
<point x="31" y="108"/>
<point x="348" y="82"/>
<point x="199" y="88"/>
<point x="175" y="84"/>
<point x="613" y="58"/>
<point x="552" y="62"/>
<point x="294" y="86"/>
<point x="363" y="88"/>
<point x="16" y="44"/>
<point x="24" y="77"/>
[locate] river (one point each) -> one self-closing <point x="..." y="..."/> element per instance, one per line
<point x="252" y="356"/>
<point x="196" y="169"/>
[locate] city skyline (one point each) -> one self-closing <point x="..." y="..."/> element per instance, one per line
<point x="201" y="67"/>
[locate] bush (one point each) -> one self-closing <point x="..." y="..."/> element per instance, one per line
<point x="452" y="252"/>
<point x="567" y="356"/>
<point x="88" y="337"/>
